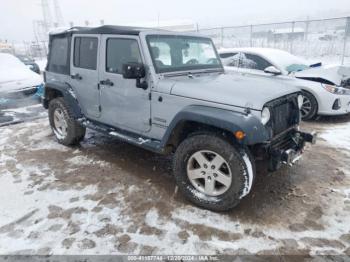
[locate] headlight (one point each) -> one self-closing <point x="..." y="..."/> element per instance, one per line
<point x="300" y="101"/>
<point x="265" y="115"/>
<point x="334" y="89"/>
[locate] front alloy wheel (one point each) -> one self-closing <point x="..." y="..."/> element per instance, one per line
<point x="309" y="107"/>
<point x="306" y="108"/>
<point x="209" y="173"/>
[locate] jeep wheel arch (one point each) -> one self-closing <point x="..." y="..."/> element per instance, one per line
<point x="197" y="118"/>
<point x="64" y="90"/>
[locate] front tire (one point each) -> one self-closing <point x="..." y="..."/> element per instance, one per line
<point x="66" y="129"/>
<point x="309" y="108"/>
<point x="213" y="173"/>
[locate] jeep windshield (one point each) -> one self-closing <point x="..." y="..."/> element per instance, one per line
<point x="174" y="53"/>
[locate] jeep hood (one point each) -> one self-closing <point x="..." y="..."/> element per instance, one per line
<point x="230" y="89"/>
<point x="328" y="73"/>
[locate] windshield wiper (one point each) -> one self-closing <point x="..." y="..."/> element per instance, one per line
<point x="316" y="65"/>
<point x="192" y="73"/>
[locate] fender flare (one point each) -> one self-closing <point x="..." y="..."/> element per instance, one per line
<point x="230" y="121"/>
<point x="68" y="95"/>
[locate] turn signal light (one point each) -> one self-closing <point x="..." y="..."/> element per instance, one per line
<point x="239" y="135"/>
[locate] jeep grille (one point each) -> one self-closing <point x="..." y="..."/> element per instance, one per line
<point x="284" y="113"/>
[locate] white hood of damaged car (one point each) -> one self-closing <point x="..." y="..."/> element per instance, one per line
<point x="333" y="73"/>
<point x="15" y="76"/>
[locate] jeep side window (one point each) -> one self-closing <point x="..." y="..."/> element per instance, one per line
<point x="59" y="56"/>
<point x="85" y="52"/>
<point x="256" y="62"/>
<point x="121" y="51"/>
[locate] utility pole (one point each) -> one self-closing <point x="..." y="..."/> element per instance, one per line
<point x="46" y="15"/>
<point x="292" y="38"/>
<point x="58" y="13"/>
<point x="346" y="36"/>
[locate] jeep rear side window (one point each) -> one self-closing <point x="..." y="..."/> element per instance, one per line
<point x="85" y="52"/>
<point x="121" y="51"/>
<point x="59" y="56"/>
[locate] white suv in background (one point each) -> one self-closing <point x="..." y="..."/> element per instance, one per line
<point x="325" y="88"/>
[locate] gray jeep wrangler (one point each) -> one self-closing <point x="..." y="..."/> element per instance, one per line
<point x="167" y="92"/>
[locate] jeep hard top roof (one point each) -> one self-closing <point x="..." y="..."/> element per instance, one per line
<point x="105" y="29"/>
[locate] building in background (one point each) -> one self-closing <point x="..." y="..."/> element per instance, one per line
<point x="6" y="47"/>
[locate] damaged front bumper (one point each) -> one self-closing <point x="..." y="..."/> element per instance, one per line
<point x="288" y="148"/>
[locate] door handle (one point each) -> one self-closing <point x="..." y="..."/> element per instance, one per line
<point x="107" y="82"/>
<point x="77" y="77"/>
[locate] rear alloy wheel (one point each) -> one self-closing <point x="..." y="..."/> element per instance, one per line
<point x="60" y="124"/>
<point x="309" y="108"/>
<point x="212" y="172"/>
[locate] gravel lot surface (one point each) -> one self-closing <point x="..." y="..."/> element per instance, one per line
<point x="108" y="197"/>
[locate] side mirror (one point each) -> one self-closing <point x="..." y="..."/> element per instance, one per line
<point x="135" y="71"/>
<point x="272" y="70"/>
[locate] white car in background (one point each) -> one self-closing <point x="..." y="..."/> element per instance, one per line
<point x="326" y="89"/>
<point x="16" y="79"/>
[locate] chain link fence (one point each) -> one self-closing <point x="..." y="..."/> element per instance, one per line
<point x="326" y="39"/>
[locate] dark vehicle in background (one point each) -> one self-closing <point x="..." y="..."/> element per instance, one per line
<point x="29" y="62"/>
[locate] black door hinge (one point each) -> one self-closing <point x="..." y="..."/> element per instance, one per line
<point x="99" y="108"/>
<point x="150" y="96"/>
<point x="150" y="121"/>
<point x="98" y="87"/>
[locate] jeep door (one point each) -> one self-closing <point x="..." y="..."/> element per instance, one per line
<point x="123" y="104"/>
<point x="84" y="73"/>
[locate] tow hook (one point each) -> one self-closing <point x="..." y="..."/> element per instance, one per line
<point x="310" y="137"/>
<point x="290" y="156"/>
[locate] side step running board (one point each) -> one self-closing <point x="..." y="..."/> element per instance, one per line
<point x="144" y="142"/>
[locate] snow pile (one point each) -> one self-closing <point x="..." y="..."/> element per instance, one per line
<point x="338" y="136"/>
<point x="86" y="161"/>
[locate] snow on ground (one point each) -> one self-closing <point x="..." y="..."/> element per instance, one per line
<point x="19" y="114"/>
<point x="106" y="197"/>
<point x="338" y="136"/>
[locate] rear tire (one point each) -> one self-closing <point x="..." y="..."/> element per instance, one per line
<point x="213" y="173"/>
<point x="310" y="107"/>
<point x="66" y="129"/>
